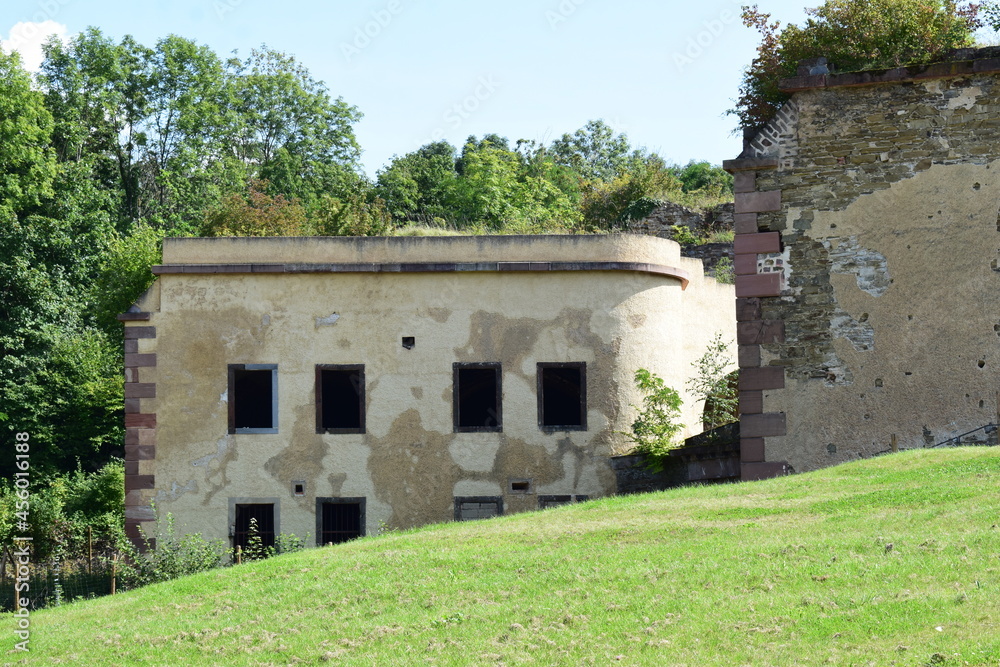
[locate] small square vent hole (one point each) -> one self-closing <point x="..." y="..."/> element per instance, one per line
<point x="409" y="342"/>
<point x="520" y="486"/>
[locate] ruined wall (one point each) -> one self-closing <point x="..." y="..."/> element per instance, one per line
<point x="615" y="302"/>
<point x="866" y="260"/>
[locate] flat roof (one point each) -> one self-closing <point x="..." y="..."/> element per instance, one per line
<point x="423" y="254"/>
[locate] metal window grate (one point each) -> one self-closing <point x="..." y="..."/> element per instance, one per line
<point x="340" y="520"/>
<point x="264" y="515"/>
<point x="470" y="508"/>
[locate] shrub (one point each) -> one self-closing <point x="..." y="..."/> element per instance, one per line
<point x="655" y="429"/>
<point x="852" y="35"/>
<point x="173" y="556"/>
<point x="61" y="511"/>
<point x="715" y="383"/>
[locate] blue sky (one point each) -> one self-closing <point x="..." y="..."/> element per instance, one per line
<point x="420" y="70"/>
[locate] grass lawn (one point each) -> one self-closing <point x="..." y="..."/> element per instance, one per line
<point x="892" y="561"/>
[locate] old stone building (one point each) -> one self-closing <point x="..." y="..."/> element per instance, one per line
<point x="867" y="264"/>
<point x="324" y="385"/>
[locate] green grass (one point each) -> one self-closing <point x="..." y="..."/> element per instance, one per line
<point x="893" y="561"/>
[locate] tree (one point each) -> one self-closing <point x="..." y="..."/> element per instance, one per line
<point x="60" y="377"/>
<point x="27" y="163"/>
<point x="170" y="130"/>
<point x="287" y="128"/>
<point x="703" y="176"/>
<point x="852" y="35"/>
<point x="991" y="14"/>
<point x="98" y="93"/>
<point x="358" y="213"/>
<point x="184" y="158"/>
<point x="656" y="428"/>
<point x="421" y="184"/>
<point x="594" y="151"/>
<point x="714" y="384"/>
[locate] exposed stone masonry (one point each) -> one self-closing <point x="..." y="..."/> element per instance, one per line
<point x="838" y="140"/>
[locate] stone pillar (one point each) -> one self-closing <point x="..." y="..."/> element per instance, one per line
<point x="752" y="330"/>
<point x="140" y="430"/>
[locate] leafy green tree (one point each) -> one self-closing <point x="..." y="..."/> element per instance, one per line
<point x="655" y="429"/>
<point x="594" y="151"/>
<point x="487" y="190"/>
<point x="852" y="35"/>
<point x="123" y="275"/>
<point x="991" y="14"/>
<point x="185" y="156"/>
<point x="420" y="185"/>
<point x="714" y="383"/>
<point x="171" y="130"/>
<point x="97" y="92"/>
<point x="27" y="163"/>
<point x="703" y="176"/>
<point x="288" y="127"/>
<point x="57" y="377"/>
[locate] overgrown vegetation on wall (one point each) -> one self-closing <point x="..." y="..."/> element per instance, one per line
<point x="853" y="35"/>
<point x="655" y="429"/>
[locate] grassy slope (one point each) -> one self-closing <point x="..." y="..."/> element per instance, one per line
<point x="783" y="572"/>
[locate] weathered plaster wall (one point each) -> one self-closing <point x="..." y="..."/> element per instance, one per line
<point x="882" y="318"/>
<point x="409" y="464"/>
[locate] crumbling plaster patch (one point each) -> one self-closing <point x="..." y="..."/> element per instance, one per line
<point x="938" y="247"/>
<point x="870" y="267"/>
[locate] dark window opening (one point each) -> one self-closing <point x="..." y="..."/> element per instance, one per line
<point x="339" y="520"/>
<point x="340" y="399"/>
<point x="477" y="392"/>
<point x="562" y="396"/>
<point x="252" y="398"/>
<point x="250" y="517"/>
<point x="471" y="508"/>
<point x="409" y="342"/>
<point x="298" y="488"/>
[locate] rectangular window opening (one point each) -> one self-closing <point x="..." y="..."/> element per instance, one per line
<point x="477" y="396"/>
<point x="472" y="508"/>
<point x="253" y="398"/>
<point x="253" y="516"/>
<point x="340" y="398"/>
<point x="562" y="396"/>
<point x="339" y="520"/>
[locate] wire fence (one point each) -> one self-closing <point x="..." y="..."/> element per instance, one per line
<point x="55" y="581"/>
